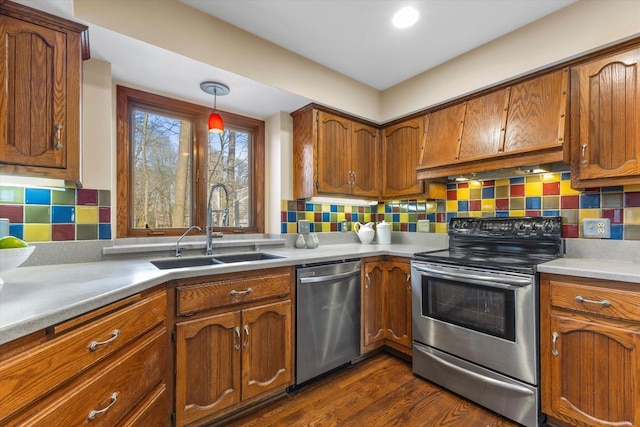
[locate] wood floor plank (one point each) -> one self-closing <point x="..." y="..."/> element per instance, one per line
<point x="381" y="391"/>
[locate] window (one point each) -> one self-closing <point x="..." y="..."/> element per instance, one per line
<point x="171" y="171"/>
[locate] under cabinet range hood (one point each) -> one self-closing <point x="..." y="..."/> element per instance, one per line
<point x="556" y="167"/>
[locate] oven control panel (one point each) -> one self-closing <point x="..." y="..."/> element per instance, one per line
<point x="507" y="227"/>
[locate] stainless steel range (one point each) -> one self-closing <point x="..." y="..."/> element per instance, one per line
<point x="475" y="311"/>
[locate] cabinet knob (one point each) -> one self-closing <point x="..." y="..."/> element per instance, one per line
<point x="58" y="128"/>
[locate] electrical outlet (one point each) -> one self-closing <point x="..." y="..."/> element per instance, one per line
<point x="596" y="227"/>
<point x="303" y="226"/>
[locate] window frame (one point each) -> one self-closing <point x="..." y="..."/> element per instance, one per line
<point x="126" y="99"/>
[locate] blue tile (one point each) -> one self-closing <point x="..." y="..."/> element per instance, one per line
<point x="395" y="217"/>
<point x="589" y="201"/>
<point x="16" y="230"/>
<point x="566" y="176"/>
<point x="283" y="228"/>
<point x="291" y="216"/>
<point x="312" y="227"/>
<point x="325" y="217"/>
<point x="388" y="208"/>
<point x="488" y="192"/>
<point x="463" y="206"/>
<point x="617" y="232"/>
<point x="333" y="208"/>
<point x="308" y="207"/>
<point x="517" y="180"/>
<point x="37" y="196"/>
<point x="413" y="227"/>
<point x="533" y="203"/>
<point x="502" y="213"/>
<point x="450" y="215"/>
<point x="104" y="231"/>
<point x="452" y="186"/>
<point x="614" y="189"/>
<point x="550" y="213"/>
<point x="63" y="214"/>
<point x="431" y="217"/>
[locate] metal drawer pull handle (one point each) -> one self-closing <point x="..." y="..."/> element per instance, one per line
<point x="603" y="303"/>
<point x="95" y="344"/>
<point x="553" y="344"/>
<point x="113" y="399"/>
<point x="236" y="346"/>
<point x="235" y="293"/>
<point x="59" y="145"/>
<point x="246" y="331"/>
<point x="583" y="148"/>
<point x="368" y="281"/>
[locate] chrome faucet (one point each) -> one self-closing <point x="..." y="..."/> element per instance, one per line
<point x="225" y="214"/>
<point x="178" y="251"/>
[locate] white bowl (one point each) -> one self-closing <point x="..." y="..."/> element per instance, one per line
<point x="12" y="258"/>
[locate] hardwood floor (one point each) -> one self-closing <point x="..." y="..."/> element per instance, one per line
<point x="381" y="391"/>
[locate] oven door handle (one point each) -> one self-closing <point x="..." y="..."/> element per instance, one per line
<point x="492" y="381"/>
<point x="494" y="281"/>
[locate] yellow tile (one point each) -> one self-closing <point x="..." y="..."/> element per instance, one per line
<point x="502" y="182"/>
<point x="37" y="232"/>
<point x="566" y="190"/>
<point x="309" y="216"/>
<point x="347" y="209"/>
<point x="475" y="184"/>
<point x="488" y="205"/>
<point x="452" y="206"/>
<point x="326" y="208"/>
<point x="431" y="207"/>
<point x="589" y="213"/>
<point x="326" y="227"/>
<point x="551" y="177"/>
<point x="463" y="194"/>
<point x="442" y="227"/>
<point x="475" y="214"/>
<point x="633" y="187"/>
<point x="631" y="216"/>
<point x="404" y="217"/>
<point x="87" y="214"/>
<point x="284" y="205"/>
<point x="516" y="213"/>
<point x="532" y="189"/>
<point x="292" y="227"/>
<point x="381" y="208"/>
<point x="366" y="218"/>
<point x="341" y="216"/>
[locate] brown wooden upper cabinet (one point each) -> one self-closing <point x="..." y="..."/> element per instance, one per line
<point x="605" y="121"/>
<point x="40" y="70"/>
<point x="401" y="149"/>
<point x="334" y="155"/>
<point x="520" y="125"/>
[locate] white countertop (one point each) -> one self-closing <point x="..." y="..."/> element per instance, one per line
<point x="623" y="271"/>
<point x="33" y="298"/>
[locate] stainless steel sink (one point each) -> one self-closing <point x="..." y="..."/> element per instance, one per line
<point x="199" y="261"/>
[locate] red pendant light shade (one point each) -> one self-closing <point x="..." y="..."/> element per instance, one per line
<point x="216" y="124"/>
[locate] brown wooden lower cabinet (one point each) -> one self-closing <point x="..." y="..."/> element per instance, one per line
<point x="103" y="368"/>
<point x="590" y="351"/>
<point x="386" y="304"/>
<point x="230" y="356"/>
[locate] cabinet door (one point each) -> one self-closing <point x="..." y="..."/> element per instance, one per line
<point x="401" y="150"/>
<point x="537" y="113"/>
<point x="398" y="307"/>
<point x="334" y="154"/>
<point x="605" y="132"/>
<point x="207" y="366"/>
<point x="373" y="324"/>
<point x="594" y="376"/>
<point x="365" y="160"/>
<point x="267" y="361"/>
<point x="484" y="124"/>
<point x="443" y="136"/>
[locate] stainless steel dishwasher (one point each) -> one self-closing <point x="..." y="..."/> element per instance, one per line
<point x="327" y="317"/>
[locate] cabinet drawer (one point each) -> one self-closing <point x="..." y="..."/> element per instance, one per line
<point x="204" y="296"/>
<point x="152" y="411"/>
<point x="32" y="374"/>
<point x="105" y="393"/>
<point x="608" y="302"/>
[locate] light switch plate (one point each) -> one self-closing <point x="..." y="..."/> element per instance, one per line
<point x="599" y="228"/>
<point x="303" y="226"/>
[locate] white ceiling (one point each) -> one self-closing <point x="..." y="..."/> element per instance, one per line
<point x="353" y="37"/>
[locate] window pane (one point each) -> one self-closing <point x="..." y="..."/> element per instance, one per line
<point x="228" y="160"/>
<point x="161" y="170"/>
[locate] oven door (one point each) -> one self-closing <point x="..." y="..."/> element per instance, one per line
<point x="485" y="317"/>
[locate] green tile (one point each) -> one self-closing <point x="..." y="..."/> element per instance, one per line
<point x="502" y="192"/>
<point x="551" y="202"/>
<point x="516" y="203"/>
<point x="340" y="208"/>
<point x="475" y="194"/>
<point x="104" y="198"/>
<point x="12" y="195"/>
<point x="570" y="216"/>
<point x="37" y="214"/>
<point x="612" y="200"/>
<point x="87" y="232"/>
<point x="333" y="217"/>
<point x="413" y="217"/>
<point x="292" y="205"/>
<point x="64" y="197"/>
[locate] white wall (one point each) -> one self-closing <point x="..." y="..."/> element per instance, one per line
<point x="278" y="168"/>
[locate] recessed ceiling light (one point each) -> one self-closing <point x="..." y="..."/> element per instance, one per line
<point x="405" y="17"/>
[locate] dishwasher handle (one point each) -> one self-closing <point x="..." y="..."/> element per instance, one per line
<point x="329" y="277"/>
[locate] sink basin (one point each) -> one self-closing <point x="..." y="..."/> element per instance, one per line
<point x="199" y="261"/>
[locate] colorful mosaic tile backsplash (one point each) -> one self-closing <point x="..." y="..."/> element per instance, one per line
<point x="535" y="195"/>
<point x="42" y="215"/>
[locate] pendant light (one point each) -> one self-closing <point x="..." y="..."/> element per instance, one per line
<point x="216" y="125"/>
